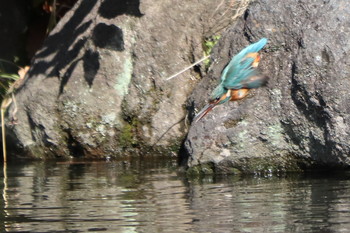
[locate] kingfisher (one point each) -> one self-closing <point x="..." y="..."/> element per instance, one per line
<point x="238" y="77"/>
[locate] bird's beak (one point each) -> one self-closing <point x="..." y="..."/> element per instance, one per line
<point x="207" y="108"/>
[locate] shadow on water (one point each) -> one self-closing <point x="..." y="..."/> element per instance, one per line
<point x="152" y="196"/>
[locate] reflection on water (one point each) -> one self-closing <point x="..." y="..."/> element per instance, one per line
<point x="151" y="196"/>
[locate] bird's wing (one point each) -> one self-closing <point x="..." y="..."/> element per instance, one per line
<point x="246" y="78"/>
<point x="240" y="67"/>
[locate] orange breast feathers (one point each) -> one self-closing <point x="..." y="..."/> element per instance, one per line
<point x="234" y="95"/>
<point x="238" y="94"/>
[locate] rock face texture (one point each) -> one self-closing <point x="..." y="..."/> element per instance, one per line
<point x="302" y="117"/>
<point x="97" y="87"/>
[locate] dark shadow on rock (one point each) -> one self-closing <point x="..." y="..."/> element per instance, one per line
<point x="184" y="155"/>
<point x="108" y="37"/>
<point x="54" y="44"/>
<point x="302" y="99"/>
<point x="91" y="66"/>
<point x="63" y="55"/>
<point x="38" y="131"/>
<point x="112" y="8"/>
<point x="72" y="53"/>
<point x="67" y="75"/>
<point x="74" y="146"/>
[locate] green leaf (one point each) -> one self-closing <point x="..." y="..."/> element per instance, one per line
<point x="9" y="76"/>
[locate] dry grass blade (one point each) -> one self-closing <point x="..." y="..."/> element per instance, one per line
<point x="4" y="105"/>
<point x="187" y="68"/>
<point x="3" y="135"/>
<point x="8" y="99"/>
<point x="226" y="12"/>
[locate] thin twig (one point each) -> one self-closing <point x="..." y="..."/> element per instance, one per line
<point x="9" y="62"/>
<point x="187" y="68"/>
<point x="217" y="8"/>
<point x="161" y="136"/>
<point x="3" y="135"/>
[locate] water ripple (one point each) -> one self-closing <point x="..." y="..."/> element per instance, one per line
<point x="152" y="197"/>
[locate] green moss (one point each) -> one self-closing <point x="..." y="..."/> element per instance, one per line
<point x="126" y="137"/>
<point x="37" y="152"/>
<point x="274" y="48"/>
<point x="269" y="165"/>
<point x="41" y="152"/>
<point x="175" y="145"/>
<point x="201" y="169"/>
<point x="193" y="171"/>
<point x="235" y="171"/>
<point x="208" y="45"/>
<point x="127" y="179"/>
<point x="263" y="166"/>
<point x="207" y="169"/>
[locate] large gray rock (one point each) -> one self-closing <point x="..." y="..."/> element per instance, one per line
<point x="97" y="87"/>
<point x="302" y="117"/>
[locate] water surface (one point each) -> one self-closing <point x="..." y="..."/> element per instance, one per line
<point x="152" y="196"/>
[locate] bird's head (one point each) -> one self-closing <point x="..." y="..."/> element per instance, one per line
<point x="219" y="95"/>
